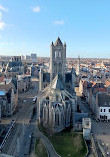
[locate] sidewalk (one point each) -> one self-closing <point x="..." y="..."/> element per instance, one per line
<point x="39" y="135"/>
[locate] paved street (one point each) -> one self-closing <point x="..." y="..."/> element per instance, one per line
<point x="22" y="118"/>
<point x="100" y="130"/>
<point x="24" y="129"/>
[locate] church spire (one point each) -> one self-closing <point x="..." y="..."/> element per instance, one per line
<point x="58" y="42"/>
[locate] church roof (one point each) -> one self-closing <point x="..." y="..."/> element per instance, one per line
<point x="13" y="64"/>
<point x="46" y="77"/>
<point x="68" y="77"/>
<point x="57" y="83"/>
<point x="58" y="42"/>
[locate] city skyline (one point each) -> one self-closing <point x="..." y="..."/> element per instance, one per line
<point x="30" y="27"/>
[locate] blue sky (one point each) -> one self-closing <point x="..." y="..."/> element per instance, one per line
<point x="29" y="26"/>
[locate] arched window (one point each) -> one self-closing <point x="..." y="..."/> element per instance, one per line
<point x="57" y="98"/>
<point x="66" y="98"/>
<point x="56" y="54"/>
<point x="52" y="117"/>
<point x="59" y="54"/>
<point x="62" y="119"/>
<point x="68" y="115"/>
<point x="47" y="98"/>
<point x="60" y="67"/>
<point x="57" y="119"/>
<point x="55" y="68"/>
<point x="45" y="113"/>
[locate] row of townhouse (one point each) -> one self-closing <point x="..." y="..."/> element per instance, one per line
<point x="97" y="97"/>
<point x="8" y="98"/>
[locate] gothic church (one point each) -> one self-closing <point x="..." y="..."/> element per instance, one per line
<point x="56" y="103"/>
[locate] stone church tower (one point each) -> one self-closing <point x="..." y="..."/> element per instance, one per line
<point x="56" y="101"/>
<point x="58" y="60"/>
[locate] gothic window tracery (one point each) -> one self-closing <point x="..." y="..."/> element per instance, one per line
<point x="56" y="54"/>
<point x="62" y="118"/>
<point x="52" y="117"/>
<point x="57" y="119"/>
<point x="57" y="98"/>
<point x="59" y="54"/>
<point x="47" y="98"/>
<point x="45" y="113"/>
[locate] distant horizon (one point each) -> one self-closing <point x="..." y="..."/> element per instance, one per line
<point x="30" y="27"/>
<point x="49" y="57"/>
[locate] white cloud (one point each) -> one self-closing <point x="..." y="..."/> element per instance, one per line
<point x="58" y="22"/>
<point x="3" y="9"/>
<point x="2" y="25"/>
<point x="36" y="9"/>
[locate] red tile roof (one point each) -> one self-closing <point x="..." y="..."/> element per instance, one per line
<point x="2" y="78"/>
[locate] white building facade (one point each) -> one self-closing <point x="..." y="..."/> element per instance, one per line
<point x="103" y="106"/>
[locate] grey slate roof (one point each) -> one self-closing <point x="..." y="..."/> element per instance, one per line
<point x="13" y="64"/>
<point x="46" y="77"/>
<point x="57" y="83"/>
<point x="68" y="77"/>
<point x="79" y="116"/>
<point x="104" y="99"/>
<point x="13" y="69"/>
